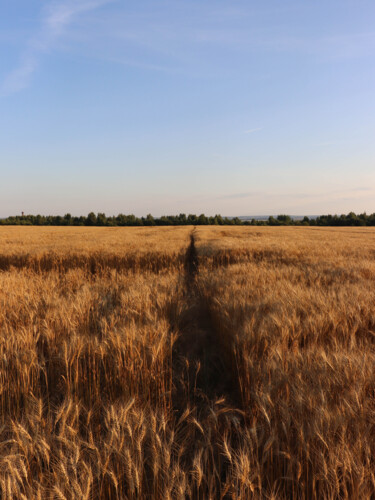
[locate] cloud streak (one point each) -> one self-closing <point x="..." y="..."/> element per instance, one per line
<point x="252" y="130"/>
<point x="55" y="18"/>
<point x="344" y="193"/>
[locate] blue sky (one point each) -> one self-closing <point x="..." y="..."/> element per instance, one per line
<point x="218" y="106"/>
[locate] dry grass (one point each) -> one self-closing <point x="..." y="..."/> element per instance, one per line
<point x="127" y="373"/>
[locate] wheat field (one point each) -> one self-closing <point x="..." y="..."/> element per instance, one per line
<point x="181" y="362"/>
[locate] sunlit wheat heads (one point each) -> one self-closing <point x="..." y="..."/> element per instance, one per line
<point x="122" y="377"/>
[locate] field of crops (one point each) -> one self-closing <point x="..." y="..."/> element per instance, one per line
<point x="179" y="362"/>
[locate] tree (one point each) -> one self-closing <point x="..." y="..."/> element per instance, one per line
<point x="68" y="219"/>
<point x="150" y="221"/>
<point x="202" y="220"/>
<point x="272" y="221"/>
<point x="101" y="219"/>
<point x="39" y="220"/>
<point x="284" y="219"/>
<point x="91" y="219"/>
<point x="182" y="219"/>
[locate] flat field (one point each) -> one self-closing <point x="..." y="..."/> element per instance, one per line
<point x="179" y="362"/>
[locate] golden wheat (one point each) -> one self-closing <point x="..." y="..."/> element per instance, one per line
<point x="130" y="370"/>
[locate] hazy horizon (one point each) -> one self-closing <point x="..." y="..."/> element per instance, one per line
<point x="229" y="216"/>
<point x="173" y="107"/>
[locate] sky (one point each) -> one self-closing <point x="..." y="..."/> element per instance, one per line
<point x="235" y="107"/>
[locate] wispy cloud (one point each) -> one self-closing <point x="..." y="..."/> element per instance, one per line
<point x="314" y="194"/>
<point x="252" y="130"/>
<point x="55" y="18"/>
<point x="19" y="78"/>
<point x="139" y="64"/>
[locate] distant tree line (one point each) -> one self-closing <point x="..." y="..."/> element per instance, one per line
<point x="101" y="219"/>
